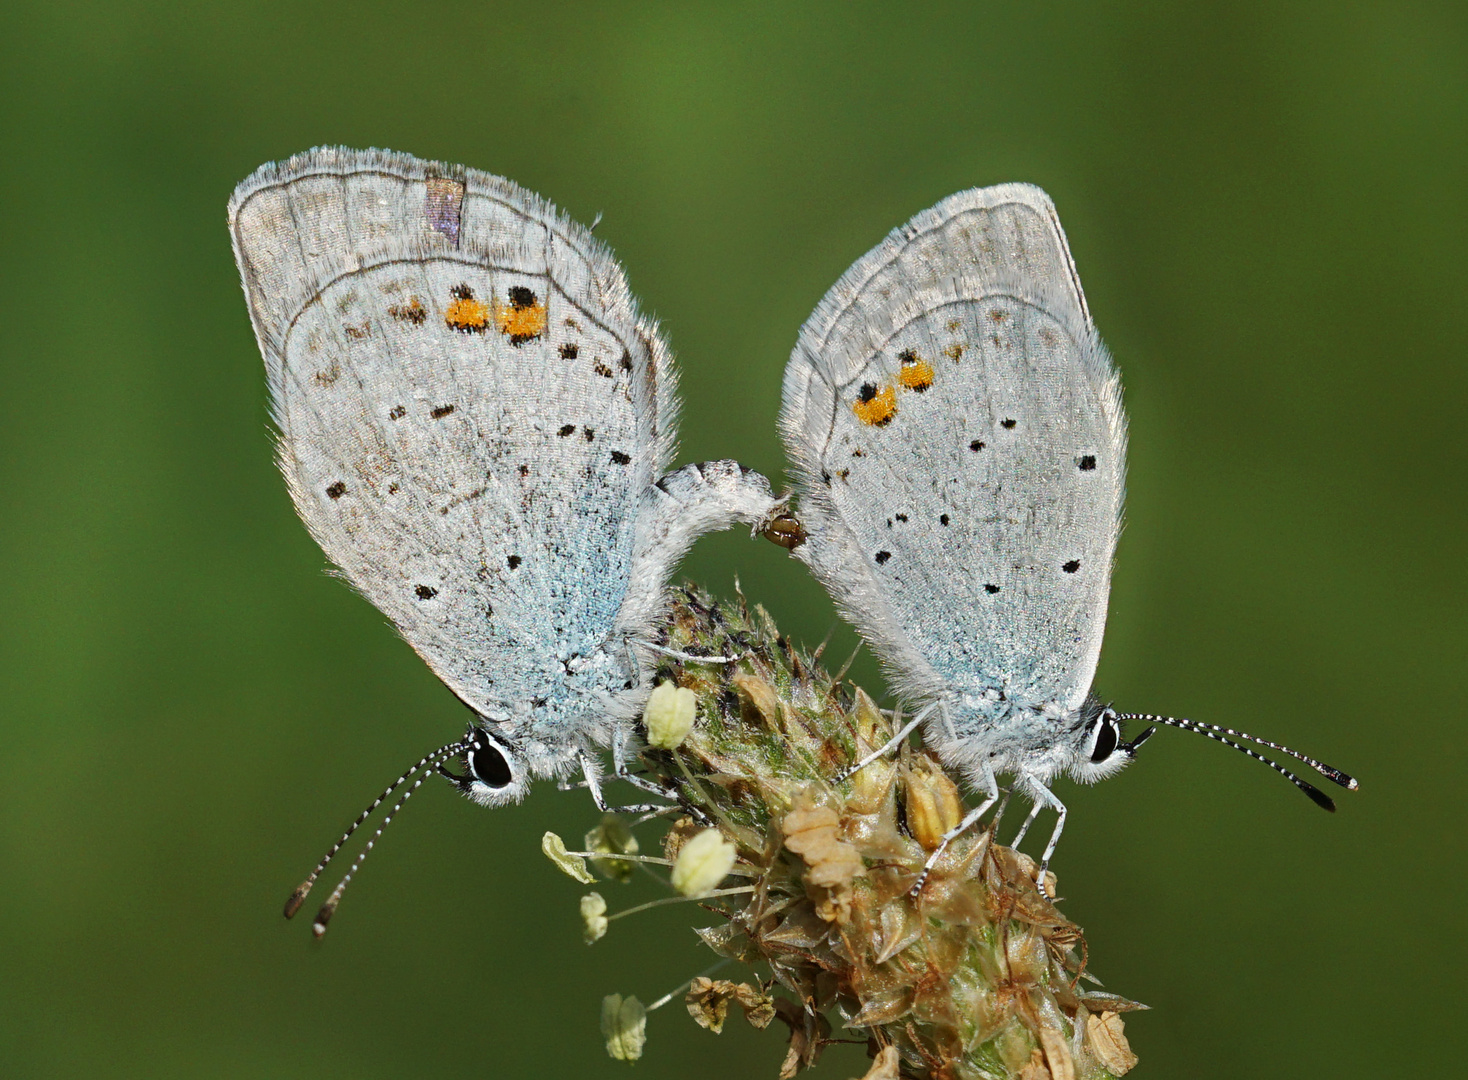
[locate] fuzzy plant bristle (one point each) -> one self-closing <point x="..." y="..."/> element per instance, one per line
<point x="974" y="975"/>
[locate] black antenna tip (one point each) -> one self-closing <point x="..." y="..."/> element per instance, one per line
<point x="297" y="898"/>
<point x="1318" y="797"/>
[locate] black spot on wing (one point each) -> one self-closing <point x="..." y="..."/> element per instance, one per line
<point x="412" y="312"/>
<point x="1072" y="566"/>
<point x="882" y="557"/>
<point x="337" y="490"/>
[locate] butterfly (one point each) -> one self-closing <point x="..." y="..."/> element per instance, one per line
<point x="475" y="423"/>
<point x="958" y="441"/>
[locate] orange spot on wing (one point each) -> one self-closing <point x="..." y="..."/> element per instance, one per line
<point x="524" y="323"/>
<point x="873" y="406"/>
<point x="466" y="314"/>
<point x="522" y="318"/>
<point x="915" y="373"/>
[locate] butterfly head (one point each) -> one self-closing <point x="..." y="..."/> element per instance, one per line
<point x="494" y="770"/>
<point x="1100" y="750"/>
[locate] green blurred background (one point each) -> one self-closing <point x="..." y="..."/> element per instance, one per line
<point x="1266" y="205"/>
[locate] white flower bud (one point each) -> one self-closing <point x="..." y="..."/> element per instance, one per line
<point x="593" y="917"/>
<point x="624" y="1025"/>
<point x="704" y="861"/>
<point x="668" y="715"/>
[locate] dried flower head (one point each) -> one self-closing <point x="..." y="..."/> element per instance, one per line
<point x="975" y="975"/>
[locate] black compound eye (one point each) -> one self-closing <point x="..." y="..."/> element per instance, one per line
<point x="1106" y="739"/>
<point x="488" y="765"/>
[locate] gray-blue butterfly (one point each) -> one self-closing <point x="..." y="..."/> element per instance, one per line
<point x="958" y="440"/>
<point x="475" y="421"/>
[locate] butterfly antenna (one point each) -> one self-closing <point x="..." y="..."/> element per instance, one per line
<point x="1227" y="737"/>
<point x="431" y="763"/>
<point x="298" y="897"/>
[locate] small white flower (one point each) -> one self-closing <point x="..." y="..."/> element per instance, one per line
<point x="624" y="1025"/>
<point x="593" y="917"/>
<point x="668" y="715"/>
<point x="704" y="861"/>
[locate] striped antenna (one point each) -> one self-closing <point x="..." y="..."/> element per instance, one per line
<point x="298" y="897"/>
<point x="1227" y="737"/>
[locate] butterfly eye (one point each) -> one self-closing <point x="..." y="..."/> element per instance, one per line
<point x="1106" y="738"/>
<point x="487" y="763"/>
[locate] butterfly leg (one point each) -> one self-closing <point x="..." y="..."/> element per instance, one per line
<point x="990" y="788"/>
<point x="1048" y="796"/>
<point x="620" y="768"/>
<point x="676" y="655"/>
<point x="593" y="783"/>
<point x="892" y="743"/>
<point x="632" y="778"/>
<point x="1030" y="820"/>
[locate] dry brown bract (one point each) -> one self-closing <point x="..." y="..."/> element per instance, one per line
<point x="708" y="1003"/>
<point x="814" y="833"/>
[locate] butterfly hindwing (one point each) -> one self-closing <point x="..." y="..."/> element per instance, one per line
<point x="958" y="437"/>
<point x="471" y="410"/>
